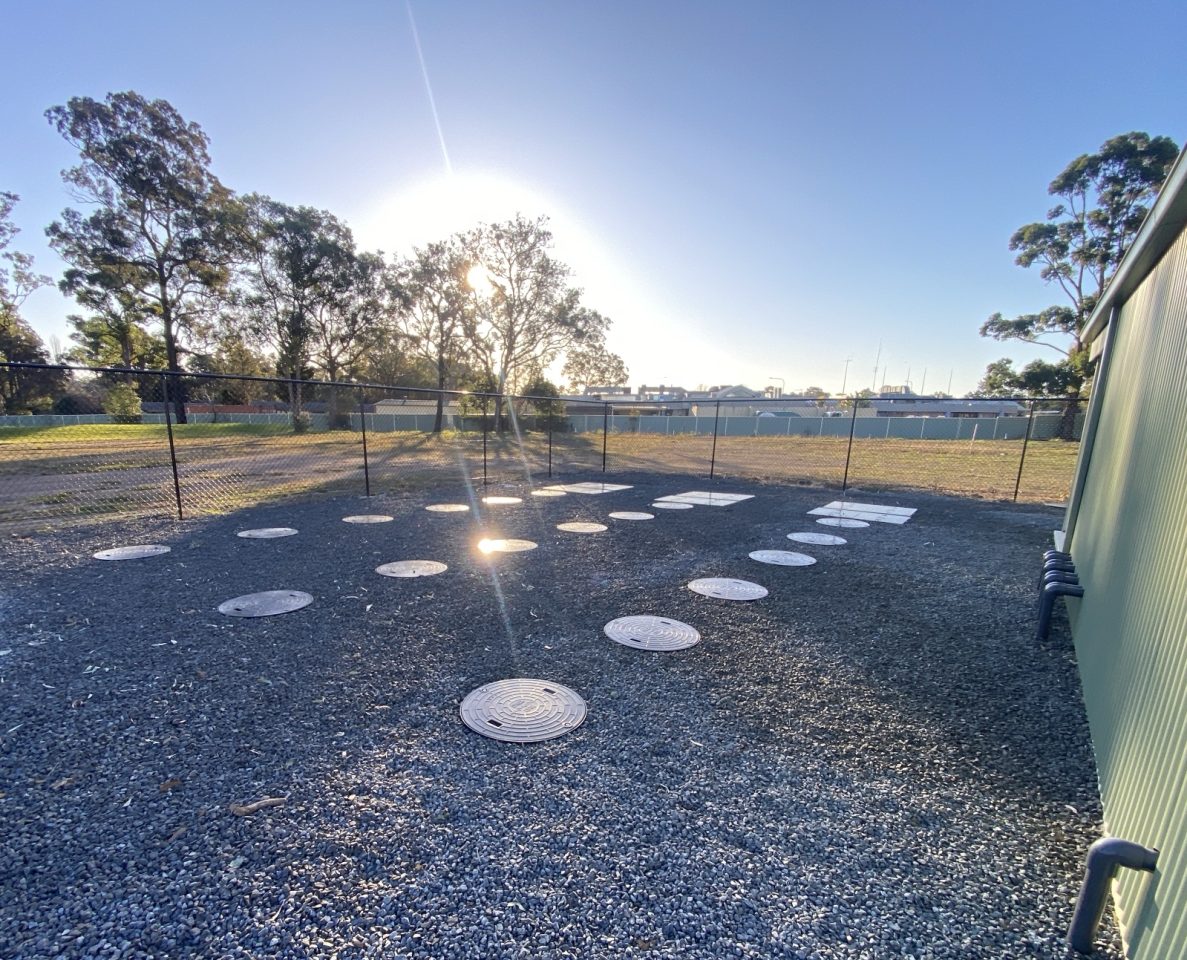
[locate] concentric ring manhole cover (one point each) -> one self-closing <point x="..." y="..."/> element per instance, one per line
<point x="727" y="588"/>
<point x="671" y="506"/>
<point x="411" y="568"/>
<point x="447" y="507"/>
<point x="523" y="710"/>
<point x="631" y="515"/>
<point x="266" y="604"/>
<point x="783" y="558"/>
<point x="652" y="633"/>
<point x="842" y="522"/>
<point x="498" y="500"/>
<point x="549" y="493"/>
<point x="579" y="526"/>
<point x="368" y="518"/>
<point x="506" y="546"/>
<point x="267" y="533"/>
<point x="825" y="539"/>
<point x="137" y="552"/>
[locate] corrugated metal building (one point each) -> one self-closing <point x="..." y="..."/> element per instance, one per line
<point x="1126" y="527"/>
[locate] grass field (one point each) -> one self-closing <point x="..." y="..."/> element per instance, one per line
<point x="106" y="469"/>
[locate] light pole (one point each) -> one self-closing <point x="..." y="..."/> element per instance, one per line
<point x="782" y="384"/>
<point x="845" y="376"/>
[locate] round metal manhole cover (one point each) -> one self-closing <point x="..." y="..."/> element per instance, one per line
<point x="652" y="633"/>
<point x="498" y="500"/>
<point x="368" y="518"/>
<point x="842" y="522"/>
<point x="578" y="526"/>
<point x="825" y="539"/>
<point x="671" y="506"/>
<point x="137" y="552"/>
<point x="411" y="568"/>
<point x="523" y="710"/>
<point x="447" y="507"/>
<point x="267" y="533"/>
<point x="506" y="546"/>
<point x="727" y="588"/>
<point x="783" y="558"/>
<point x="549" y="493"/>
<point x="269" y="603"/>
<point x="631" y="515"/>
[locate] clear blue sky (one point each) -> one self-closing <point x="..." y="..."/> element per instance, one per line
<point x="749" y="190"/>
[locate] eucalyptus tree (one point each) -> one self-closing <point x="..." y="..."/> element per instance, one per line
<point x="591" y="364"/>
<point x="156" y="230"/>
<point x="440" y="309"/>
<point x="526" y="314"/>
<point x="295" y="261"/>
<point x="1102" y="199"/>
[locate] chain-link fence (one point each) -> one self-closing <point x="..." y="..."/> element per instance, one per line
<point x="79" y="442"/>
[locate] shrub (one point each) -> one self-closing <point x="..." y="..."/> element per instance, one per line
<point x="302" y="422"/>
<point x="122" y="404"/>
<point x="76" y="404"/>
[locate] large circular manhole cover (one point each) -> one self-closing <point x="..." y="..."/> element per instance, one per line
<point x="368" y="518"/>
<point x="652" y="633"/>
<point x="783" y="558"/>
<point x="506" y="546"/>
<point x="671" y="506"/>
<point x="549" y="493"/>
<point x="267" y="533"/>
<point x="825" y="539"/>
<point x="447" y="507"/>
<point x="132" y="553"/>
<point x="497" y="500"/>
<point x="266" y="604"/>
<point x="842" y="522"/>
<point x="578" y="526"/>
<point x="727" y="588"/>
<point x="523" y="710"/>
<point x="411" y="568"/>
<point x="631" y="515"/>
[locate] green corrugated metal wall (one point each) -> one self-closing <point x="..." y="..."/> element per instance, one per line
<point x="1130" y="544"/>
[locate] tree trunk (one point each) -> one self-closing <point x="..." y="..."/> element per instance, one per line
<point x="1067" y="422"/>
<point x="437" y="422"/>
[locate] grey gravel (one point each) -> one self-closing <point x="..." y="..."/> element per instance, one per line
<point x="874" y="761"/>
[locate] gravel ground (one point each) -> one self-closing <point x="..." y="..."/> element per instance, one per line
<point x="876" y="760"/>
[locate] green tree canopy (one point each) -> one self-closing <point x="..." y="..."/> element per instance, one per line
<point x="589" y="363"/>
<point x="156" y="230"/>
<point x="1103" y="198"/>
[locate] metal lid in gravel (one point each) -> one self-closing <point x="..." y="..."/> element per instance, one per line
<point x="549" y="493"/>
<point x="523" y="710"/>
<point x="578" y="526"/>
<point x="825" y="539"/>
<point x="137" y="552"/>
<point x="652" y="633"/>
<point x="783" y="558"/>
<point x="368" y="518"/>
<point x="498" y="500"/>
<point x="631" y="515"/>
<point x="727" y="588"/>
<point x="411" y="568"/>
<point x="269" y="603"/>
<point x="267" y="533"/>
<point x="671" y="506"/>
<point x="505" y="546"/>
<point x="447" y="507"/>
<point x="842" y="522"/>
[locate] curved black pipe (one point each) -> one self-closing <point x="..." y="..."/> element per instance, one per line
<point x="1104" y="858"/>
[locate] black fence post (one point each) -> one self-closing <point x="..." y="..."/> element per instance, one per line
<point x="363" y="424"/>
<point x="605" y="433"/>
<point x="849" y="450"/>
<point x="550" y="445"/>
<point x="485" y="431"/>
<point x="172" y="449"/>
<point x="1025" y="444"/>
<point x="713" y="452"/>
